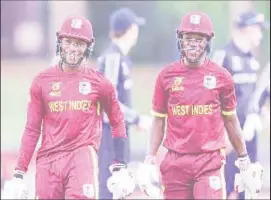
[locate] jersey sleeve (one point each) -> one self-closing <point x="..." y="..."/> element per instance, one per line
<point x="227" y="95"/>
<point x="159" y="99"/>
<point x="35" y="113"/>
<point x="112" y="109"/>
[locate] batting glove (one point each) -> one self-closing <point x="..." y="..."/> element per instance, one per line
<point x="250" y="181"/>
<point x="16" y="187"/>
<point x="121" y="183"/>
<point x="148" y="177"/>
<point x="243" y="163"/>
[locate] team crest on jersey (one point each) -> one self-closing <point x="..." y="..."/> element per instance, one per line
<point x="209" y="82"/>
<point x="55" y="91"/>
<point x="84" y="87"/>
<point x="177" y="84"/>
<point x="215" y="182"/>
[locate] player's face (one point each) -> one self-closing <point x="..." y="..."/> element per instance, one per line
<point x="193" y="46"/>
<point x="134" y="34"/>
<point x="254" y="33"/>
<point x="73" y="50"/>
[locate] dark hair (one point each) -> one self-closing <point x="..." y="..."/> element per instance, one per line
<point x="114" y="34"/>
<point x="117" y="34"/>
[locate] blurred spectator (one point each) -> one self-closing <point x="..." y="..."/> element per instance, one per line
<point x="237" y="57"/>
<point x="116" y="64"/>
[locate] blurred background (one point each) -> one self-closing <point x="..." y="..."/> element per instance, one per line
<point x="28" y="41"/>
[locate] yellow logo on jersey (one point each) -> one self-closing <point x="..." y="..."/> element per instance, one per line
<point x="177" y="84"/>
<point x="55" y="89"/>
<point x="189" y="110"/>
<point x="72" y="105"/>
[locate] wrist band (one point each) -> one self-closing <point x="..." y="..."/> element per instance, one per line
<point x="243" y="156"/>
<point x="18" y="176"/>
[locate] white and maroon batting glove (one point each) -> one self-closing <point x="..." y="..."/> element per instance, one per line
<point x="16" y="187"/>
<point x="148" y="177"/>
<point x="121" y="183"/>
<point x="243" y="163"/>
<point x="149" y="159"/>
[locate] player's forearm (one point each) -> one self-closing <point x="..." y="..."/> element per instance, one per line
<point x="28" y="145"/>
<point x="120" y="145"/>
<point x="234" y="131"/>
<point x="156" y="136"/>
<point x="119" y="141"/>
<point x="117" y="122"/>
<point x="119" y="137"/>
<point x="113" y="111"/>
<point x="118" y="127"/>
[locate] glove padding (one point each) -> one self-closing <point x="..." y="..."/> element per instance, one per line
<point x="243" y="163"/>
<point x="148" y="178"/>
<point x="253" y="123"/>
<point x="122" y="183"/>
<point x="15" y="189"/>
<point x="250" y="180"/>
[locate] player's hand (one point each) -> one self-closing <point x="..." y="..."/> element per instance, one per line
<point x="15" y="188"/>
<point x="121" y="183"/>
<point x="252" y="124"/>
<point x="144" y="124"/>
<point x="243" y="163"/>
<point x="148" y="177"/>
<point x="250" y="181"/>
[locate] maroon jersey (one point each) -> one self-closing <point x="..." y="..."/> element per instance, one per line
<point x="193" y="101"/>
<point x="66" y="108"/>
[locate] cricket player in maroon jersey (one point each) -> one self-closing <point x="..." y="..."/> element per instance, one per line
<point x="197" y="96"/>
<point x="66" y="102"/>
